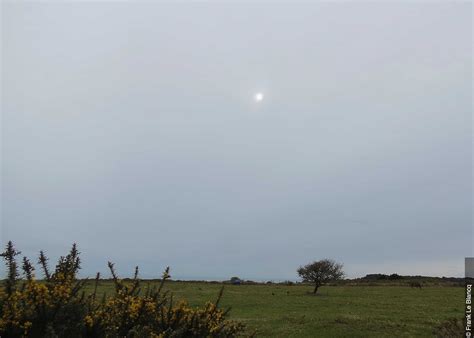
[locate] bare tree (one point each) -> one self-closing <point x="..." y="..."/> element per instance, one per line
<point x="321" y="272"/>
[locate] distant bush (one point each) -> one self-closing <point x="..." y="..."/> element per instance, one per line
<point x="381" y="276"/>
<point x="415" y="284"/>
<point x="395" y="276"/>
<point x="375" y="276"/>
<point x="235" y="281"/>
<point x="59" y="307"/>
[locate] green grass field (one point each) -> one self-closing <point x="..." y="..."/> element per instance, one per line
<point x="338" y="311"/>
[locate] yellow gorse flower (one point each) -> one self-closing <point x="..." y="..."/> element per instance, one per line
<point x="27" y="306"/>
<point x="88" y="320"/>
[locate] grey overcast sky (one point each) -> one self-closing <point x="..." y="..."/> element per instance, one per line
<point x="132" y="129"/>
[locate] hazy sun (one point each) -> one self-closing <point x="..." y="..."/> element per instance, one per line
<point x="258" y="97"/>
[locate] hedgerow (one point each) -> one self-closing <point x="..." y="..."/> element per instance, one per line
<point x="58" y="306"/>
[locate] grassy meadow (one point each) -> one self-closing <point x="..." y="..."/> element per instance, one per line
<point x="337" y="311"/>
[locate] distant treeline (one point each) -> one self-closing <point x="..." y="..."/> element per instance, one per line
<point x="367" y="280"/>
<point x="394" y="276"/>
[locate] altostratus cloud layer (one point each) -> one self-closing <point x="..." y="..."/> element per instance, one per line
<point x="133" y="130"/>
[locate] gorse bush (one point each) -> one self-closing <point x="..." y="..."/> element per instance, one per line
<point x="58" y="306"/>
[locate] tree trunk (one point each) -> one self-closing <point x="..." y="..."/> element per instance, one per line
<point x="315" y="288"/>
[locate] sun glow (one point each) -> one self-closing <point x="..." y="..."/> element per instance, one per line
<point x="258" y="97"/>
